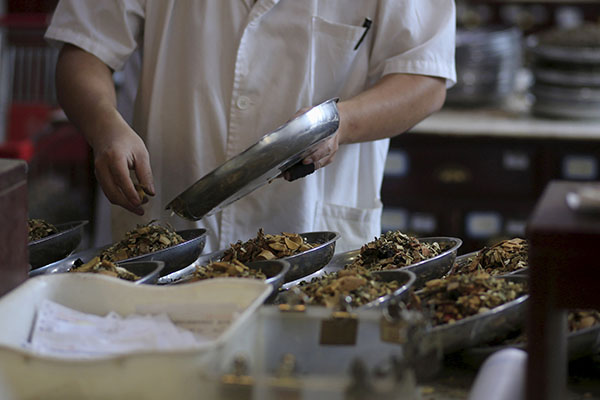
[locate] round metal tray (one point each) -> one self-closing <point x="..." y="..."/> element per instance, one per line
<point x="301" y="264"/>
<point x="175" y="257"/>
<point x="582" y="343"/>
<point x="57" y="246"/>
<point x="485" y="327"/>
<point x="262" y="162"/>
<point x="405" y="278"/>
<point x="432" y="268"/>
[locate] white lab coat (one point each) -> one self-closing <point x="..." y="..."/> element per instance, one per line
<point x="218" y="74"/>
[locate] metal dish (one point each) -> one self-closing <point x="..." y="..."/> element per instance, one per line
<point x="467" y="258"/>
<point x="175" y="257"/>
<point x="580" y="344"/>
<point x="301" y="265"/>
<point x="425" y="270"/>
<point x="262" y="162"/>
<point x="57" y="246"/>
<point x="569" y="54"/>
<point x="275" y="271"/>
<point x="405" y="278"/>
<point x="485" y="327"/>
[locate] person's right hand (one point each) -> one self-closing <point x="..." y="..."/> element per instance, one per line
<point x="115" y="154"/>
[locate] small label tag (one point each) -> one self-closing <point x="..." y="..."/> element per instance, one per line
<point x="392" y="331"/>
<point x="340" y="329"/>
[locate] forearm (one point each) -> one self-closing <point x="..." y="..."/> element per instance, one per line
<point x="392" y="106"/>
<point x="86" y="93"/>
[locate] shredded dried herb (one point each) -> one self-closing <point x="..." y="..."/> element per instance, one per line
<point x="459" y="296"/>
<point x="393" y="250"/>
<point x="38" y="229"/>
<point x="142" y="240"/>
<point x="266" y="247"/>
<point x="104" y="267"/>
<point x="503" y="257"/>
<point x="352" y="287"/>
<point x="221" y="269"/>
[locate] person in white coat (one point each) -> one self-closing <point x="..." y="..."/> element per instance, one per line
<point x="218" y="75"/>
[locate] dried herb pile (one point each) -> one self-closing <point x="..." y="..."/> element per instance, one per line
<point x="266" y="247"/>
<point x="142" y="240"/>
<point x="393" y="250"/>
<point x="355" y="287"/>
<point x="582" y="319"/>
<point x="577" y="320"/>
<point x="460" y="296"/>
<point x="222" y="269"/>
<point x="502" y="258"/>
<point x="38" y="229"/>
<point x="104" y="267"/>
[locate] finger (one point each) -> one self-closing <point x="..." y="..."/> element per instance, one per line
<point x="143" y="171"/>
<point x="112" y="192"/>
<point x="120" y="176"/>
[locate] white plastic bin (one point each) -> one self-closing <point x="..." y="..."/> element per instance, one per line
<point x="150" y="375"/>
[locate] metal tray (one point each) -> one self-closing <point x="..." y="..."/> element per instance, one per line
<point x="405" y="278"/>
<point x="262" y="162"/>
<point x="580" y="344"/>
<point x="275" y="271"/>
<point x="467" y="258"/>
<point x="301" y="265"/>
<point x="485" y="327"/>
<point x="570" y="54"/>
<point x="175" y="257"/>
<point x="425" y="270"/>
<point x="57" y="246"/>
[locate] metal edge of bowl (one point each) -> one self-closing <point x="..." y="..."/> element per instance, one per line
<point x="467" y="332"/>
<point x="72" y="226"/>
<point x="73" y="234"/>
<point x="301" y="263"/>
<point x="397" y="294"/>
<point x="58" y="267"/>
<point x="580" y="344"/>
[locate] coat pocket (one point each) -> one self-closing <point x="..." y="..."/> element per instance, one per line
<point x="333" y="57"/>
<point x="356" y="226"/>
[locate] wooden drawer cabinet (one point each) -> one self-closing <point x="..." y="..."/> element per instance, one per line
<point x="477" y="188"/>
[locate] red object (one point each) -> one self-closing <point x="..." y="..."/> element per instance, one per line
<point x="21" y="149"/>
<point x="13" y="224"/>
<point x="27" y="120"/>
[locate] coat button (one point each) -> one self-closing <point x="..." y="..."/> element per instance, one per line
<point x="243" y="102"/>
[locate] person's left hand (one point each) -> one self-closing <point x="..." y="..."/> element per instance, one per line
<point x="321" y="156"/>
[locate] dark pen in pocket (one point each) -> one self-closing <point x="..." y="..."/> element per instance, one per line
<point x="367" y="25"/>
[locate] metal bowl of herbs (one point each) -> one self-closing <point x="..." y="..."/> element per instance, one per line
<point x="271" y="271"/>
<point x="428" y="258"/>
<point x="176" y="256"/>
<point x="350" y="289"/>
<point x="583" y="339"/>
<point x="138" y="272"/>
<point x="49" y="243"/>
<point x="305" y="252"/>
<point x="469" y="310"/>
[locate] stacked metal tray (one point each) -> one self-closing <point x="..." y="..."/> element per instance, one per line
<point x="487" y="60"/>
<point x="566" y="70"/>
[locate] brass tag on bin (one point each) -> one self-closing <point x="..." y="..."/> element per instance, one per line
<point x="340" y="329"/>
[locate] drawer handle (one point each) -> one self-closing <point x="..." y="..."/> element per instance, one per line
<point x="455" y="174"/>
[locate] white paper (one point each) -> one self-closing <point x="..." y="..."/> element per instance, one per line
<point x="61" y="331"/>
